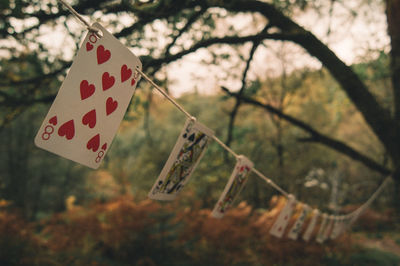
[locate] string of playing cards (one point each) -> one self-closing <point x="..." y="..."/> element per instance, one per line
<point x="90" y="105"/>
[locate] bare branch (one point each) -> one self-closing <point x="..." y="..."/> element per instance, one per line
<point x="378" y="118"/>
<point x="192" y="19"/>
<point x="317" y="136"/>
<point x="37" y="78"/>
<point x="235" y="109"/>
<point x="235" y="40"/>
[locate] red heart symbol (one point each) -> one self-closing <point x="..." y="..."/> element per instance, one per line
<point x="104" y="147"/>
<point x="67" y="129"/>
<point x="133" y="82"/>
<point x="102" y="54"/>
<point x="87" y="89"/>
<point x="111" y="105"/>
<point x="89" y="46"/>
<point x="89" y="118"/>
<point x="126" y="73"/>
<point x="53" y="120"/>
<point x="107" y="80"/>
<point x="93" y="143"/>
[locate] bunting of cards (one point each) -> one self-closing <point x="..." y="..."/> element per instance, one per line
<point x="235" y="184"/>
<point x="89" y="107"/>
<point x="310" y="228"/>
<point x="322" y="228"/>
<point x="186" y="154"/>
<point x="296" y="228"/>
<point x="283" y="218"/>
<point x="92" y="101"/>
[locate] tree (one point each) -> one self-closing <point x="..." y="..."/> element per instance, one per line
<point x="189" y="25"/>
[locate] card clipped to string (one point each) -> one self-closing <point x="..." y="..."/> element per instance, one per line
<point x="337" y="227"/>
<point x="235" y="184"/>
<point x="311" y="225"/>
<point x="321" y="231"/>
<point x="296" y="228"/>
<point x="92" y="100"/>
<point x="186" y="154"/>
<point x="328" y="230"/>
<point x="278" y="228"/>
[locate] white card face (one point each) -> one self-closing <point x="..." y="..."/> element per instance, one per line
<point x="322" y="228"/>
<point x="92" y="101"/>
<point x="232" y="189"/>
<point x="295" y="230"/>
<point x="283" y="218"/>
<point x="337" y="228"/>
<point x="186" y="154"/>
<point x="328" y="229"/>
<point x="310" y="229"/>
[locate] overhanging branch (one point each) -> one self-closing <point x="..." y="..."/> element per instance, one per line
<point x="315" y="135"/>
<point x="152" y="62"/>
<point x="378" y="118"/>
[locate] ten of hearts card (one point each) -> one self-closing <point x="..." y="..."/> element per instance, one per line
<point x="183" y="160"/>
<point x="92" y="100"/>
<point x="232" y="189"/>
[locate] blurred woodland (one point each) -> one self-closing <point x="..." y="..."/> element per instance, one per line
<point x="325" y="130"/>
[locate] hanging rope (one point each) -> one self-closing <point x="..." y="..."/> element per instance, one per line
<point x="78" y="16"/>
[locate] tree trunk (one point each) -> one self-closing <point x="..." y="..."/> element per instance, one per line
<point x="396" y="196"/>
<point x="393" y="20"/>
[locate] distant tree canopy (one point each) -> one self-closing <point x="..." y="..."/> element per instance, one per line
<point x="30" y="70"/>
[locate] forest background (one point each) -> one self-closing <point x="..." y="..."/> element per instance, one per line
<point x="325" y="129"/>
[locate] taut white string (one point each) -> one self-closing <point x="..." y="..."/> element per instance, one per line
<point x="78" y="16"/>
<point x="270" y="182"/>
<point x="371" y="199"/>
<point x="223" y="145"/>
<point x="165" y="94"/>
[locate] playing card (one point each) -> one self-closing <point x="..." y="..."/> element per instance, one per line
<point x="283" y="218"/>
<point x="296" y="228"/>
<point x="329" y="228"/>
<point x="92" y="100"/>
<point x="322" y="228"/>
<point x="186" y="154"/>
<point x="235" y="184"/>
<point x="310" y="228"/>
<point x="337" y="228"/>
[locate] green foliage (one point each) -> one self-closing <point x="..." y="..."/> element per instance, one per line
<point x="374" y="257"/>
<point x="29" y="177"/>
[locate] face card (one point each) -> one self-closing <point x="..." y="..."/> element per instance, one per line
<point x="186" y="154"/>
<point x="322" y="228"/>
<point x="310" y="228"/>
<point x="283" y="218"/>
<point x="92" y="100"/>
<point x="232" y="189"/>
<point x="296" y="228"/>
